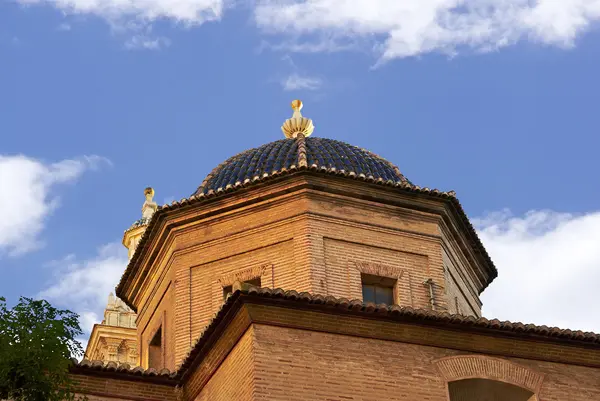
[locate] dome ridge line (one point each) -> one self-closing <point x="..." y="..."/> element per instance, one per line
<point x="301" y="153"/>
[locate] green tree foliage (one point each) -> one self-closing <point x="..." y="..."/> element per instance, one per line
<point x="37" y="342"/>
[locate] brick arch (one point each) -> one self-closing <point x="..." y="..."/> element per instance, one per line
<point x="461" y="367"/>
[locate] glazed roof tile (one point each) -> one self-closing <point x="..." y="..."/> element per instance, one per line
<point x="319" y="153"/>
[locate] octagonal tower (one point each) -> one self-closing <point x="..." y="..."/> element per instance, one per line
<point x="307" y="214"/>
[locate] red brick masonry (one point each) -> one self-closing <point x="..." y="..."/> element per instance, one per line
<point x="276" y="345"/>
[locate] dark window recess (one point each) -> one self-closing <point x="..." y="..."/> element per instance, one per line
<point x="227" y="291"/>
<point x="155" y="351"/>
<point x="379" y="290"/>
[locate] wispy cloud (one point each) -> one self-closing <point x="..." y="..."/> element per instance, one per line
<point x="137" y="42"/>
<point x="189" y="12"/>
<point x="548" y="268"/>
<point x="392" y="28"/>
<point x="408" y="28"/>
<point x="320" y="45"/>
<point x="298" y="82"/>
<point x="27" y="199"/>
<point x="133" y="19"/>
<point x="84" y="285"/>
<point x="64" y="27"/>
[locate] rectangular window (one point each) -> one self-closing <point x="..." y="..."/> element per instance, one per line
<point x="379" y="290"/>
<point x="155" y="351"/>
<point x="227" y="291"/>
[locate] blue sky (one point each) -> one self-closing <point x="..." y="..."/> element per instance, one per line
<point x="101" y="98"/>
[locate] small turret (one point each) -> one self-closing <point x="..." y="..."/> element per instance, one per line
<point x="133" y="234"/>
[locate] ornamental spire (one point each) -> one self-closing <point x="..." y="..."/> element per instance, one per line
<point x="297" y="125"/>
<point x="133" y="234"/>
<point x="149" y="206"/>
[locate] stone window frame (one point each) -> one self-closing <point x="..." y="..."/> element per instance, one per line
<point x="381" y="270"/>
<point x="462" y="367"/>
<point x="264" y="272"/>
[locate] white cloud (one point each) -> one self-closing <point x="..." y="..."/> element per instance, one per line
<point x="26" y="197"/>
<point x="64" y="27"/>
<point x="189" y="12"/>
<point x="83" y="285"/>
<point x="393" y="28"/>
<point x="408" y="28"/>
<point x="146" y="42"/>
<point x="298" y="82"/>
<point x="548" y="268"/>
<point x="132" y="19"/>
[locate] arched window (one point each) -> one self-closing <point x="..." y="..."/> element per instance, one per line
<point x="483" y="378"/>
<point x="487" y="390"/>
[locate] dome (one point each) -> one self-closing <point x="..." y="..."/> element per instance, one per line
<point x="318" y="154"/>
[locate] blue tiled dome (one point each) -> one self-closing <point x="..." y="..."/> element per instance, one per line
<point x="320" y="153"/>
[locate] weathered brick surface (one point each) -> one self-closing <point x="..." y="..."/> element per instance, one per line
<point x="234" y="380"/>
<point x="306" y="241"/>
<point x="295" y="235"/>
<point x="105" y="388"/>
<point x="160" y="315"/>
<point x="273" y="348"/>
<point x="466" y="340"/>
<point x="318" y="234"/>
<point x="293" y="364"/>
<point x="461" y="292"/>
<point x="199" y="375"/>
<point x="272" y="263"/>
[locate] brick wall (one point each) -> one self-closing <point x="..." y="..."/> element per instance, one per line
<point x="111" y="389"/>
<point x="294" y="364"/>
<point x="272" y="263"/>
<point x="306" y="241"/>
<point x="460" y="293"/>
<point x="159" y="315"/>
<point x="234" y="380"/>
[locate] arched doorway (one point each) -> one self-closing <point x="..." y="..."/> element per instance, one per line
<point x="487" y="390"/>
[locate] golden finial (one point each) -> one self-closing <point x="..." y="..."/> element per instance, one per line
<point x="149" y="191"/>
<point x="149" y="206"/>
<point x="297" y="105"/>
<point x="297" y="125"/>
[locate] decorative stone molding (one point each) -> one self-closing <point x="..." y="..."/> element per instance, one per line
<point x="484" y="367"/>
<point x="265" y="272"/>
<point x="402" y="290"/>
<point x="378" y="269"/>
<point x="247" y="274"/>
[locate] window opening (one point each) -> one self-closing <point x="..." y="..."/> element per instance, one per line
<point x="379" y="290"/>
<point x="155" y="350"/>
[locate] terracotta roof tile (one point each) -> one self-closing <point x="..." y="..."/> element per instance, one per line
<point x="123" y="370"/>
<point x="335" y="305"/>
<point x="423" y="314"/>
<point x="403" y="313"/>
